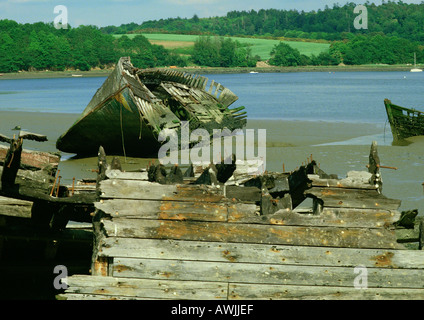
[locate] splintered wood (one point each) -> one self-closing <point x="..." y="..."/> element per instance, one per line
<point x="248" y="240"/>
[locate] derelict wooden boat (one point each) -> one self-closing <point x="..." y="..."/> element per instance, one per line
<point x="404" y="122"/>
<point x="133" y="105"/>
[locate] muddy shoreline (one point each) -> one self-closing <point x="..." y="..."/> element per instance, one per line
<point x="338" y="147"/>
<point x="208" y="70"/>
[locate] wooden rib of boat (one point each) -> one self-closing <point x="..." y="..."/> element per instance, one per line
<point x="133" y="105"/>
<point x="404" y="122"/>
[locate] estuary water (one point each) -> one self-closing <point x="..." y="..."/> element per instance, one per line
<point x="311" y="96"/>
<point x="334" y="116"/>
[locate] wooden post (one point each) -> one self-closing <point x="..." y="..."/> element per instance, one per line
<point x="374" y="167"/>
<point x="73" y="185"/>
<point x="116" y="164"/>
<point x="175" y="175"/>
<point x="99" y="264"/>
<point x="374" y="159"/>
<point x="12" y="163"/>
<point x="421" y="243"/>
<point x="102" y="166"/>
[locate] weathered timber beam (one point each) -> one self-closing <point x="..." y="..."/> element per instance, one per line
<point x="354" y="180"/>
<point x="260" y="253"/>
<point x="164" y="210"/>
<point x="242" y="193"/>
<point x="329" y="217"/>
<point x="253" y="233"/>
<point x="241" y="291"/>
<point x="146" y="288"/>
<point x="261" y="273"/>
<point x="353" y="198"/>
<point x="144" y="190"/>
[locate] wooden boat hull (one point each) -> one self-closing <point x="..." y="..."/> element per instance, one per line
<point x="127" y="113"/>
<point x="113" y="127"/>
<point x="404" y="122"/>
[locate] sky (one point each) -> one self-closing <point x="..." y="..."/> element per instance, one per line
<point x="116" y="12"/>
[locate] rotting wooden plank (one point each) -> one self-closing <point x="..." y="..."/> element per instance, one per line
<point x="336" y="217"/>
<point x="353" y="198"/>
<point x="118" y="174"/>
<point x="240" y="291"/>
<point x="343" y="184"/>
<point x="172" y="210"/>
<point x="407" y="235"/>
<point x="15" y="208"/>
<point x="135" y="189"/>
<point x="261" y="273"/>
<point x="144" y="190"/>
<point x="88" y="297"/>
<point x="260" y="253"/>
<point x="33" y="159"/>
<point x="354" y="180"/>
<point x="246" y="194"/>
<point x="252" y="233"/>
<point x="146" y="288"/>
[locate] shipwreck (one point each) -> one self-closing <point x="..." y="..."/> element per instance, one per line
<point x="404" y="122"/>
<point x="126" y="115"/>
<point x="220" y="233"/>
<point x="210" y="232"/>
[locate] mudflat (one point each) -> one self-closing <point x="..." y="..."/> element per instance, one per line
<point x="338" y="147"/>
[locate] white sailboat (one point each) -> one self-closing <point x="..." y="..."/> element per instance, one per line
<point x="415" y="69"/>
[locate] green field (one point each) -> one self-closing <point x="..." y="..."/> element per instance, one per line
<point x="260" y="47"/>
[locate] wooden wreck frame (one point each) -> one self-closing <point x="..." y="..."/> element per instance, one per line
<point x="133" y="105"/>
<point x="247" y="241"/>
<point x="404" y="122"/>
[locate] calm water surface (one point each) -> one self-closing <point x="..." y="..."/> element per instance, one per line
<point x="313" y="96"/>
<point x="324" y="96"/>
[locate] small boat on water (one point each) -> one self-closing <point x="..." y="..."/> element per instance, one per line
<point x="133" y="105"/>
<point x="404" y="122"/>
<point x="415" y="69"/>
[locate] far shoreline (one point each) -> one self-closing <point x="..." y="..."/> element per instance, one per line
<point x="208" y="70"/>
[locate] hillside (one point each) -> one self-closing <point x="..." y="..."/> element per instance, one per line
<point x="239" y="39"/>
<point x="389" y="18"/>
<point x="260" y="47"/>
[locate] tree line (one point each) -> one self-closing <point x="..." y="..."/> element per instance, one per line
<point x="40" y="46"/>
<point x="391" y="18"/>
<point x="222" y="52"/>
<point x="362" y="49"/>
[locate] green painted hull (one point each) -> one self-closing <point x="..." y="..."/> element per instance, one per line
<point x="112" y="126"/>
<point x="404" y="122"/>
<point x="128" y="112"/>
